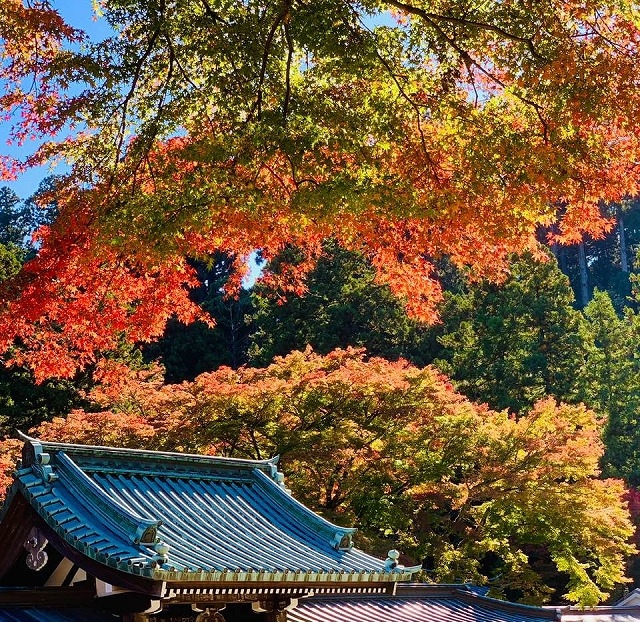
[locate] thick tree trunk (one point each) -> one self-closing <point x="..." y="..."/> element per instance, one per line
<point x="561" y="255"/>
<point x="584" y="282"/>
<point x="624" y="264"/>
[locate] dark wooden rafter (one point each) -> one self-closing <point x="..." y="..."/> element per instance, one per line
<point x="83" y="595"/>
<point x="102" y="572"/>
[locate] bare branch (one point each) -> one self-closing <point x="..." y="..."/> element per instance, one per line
<point x="280" y="18"/>
<point x="211" y="13"/>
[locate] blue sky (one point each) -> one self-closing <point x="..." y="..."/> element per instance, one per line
<point x="78" y="13"/>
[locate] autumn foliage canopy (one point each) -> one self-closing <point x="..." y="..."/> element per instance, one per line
<point x="408" y="130"/>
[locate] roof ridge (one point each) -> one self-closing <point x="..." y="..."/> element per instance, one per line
<point x="267" y="466"/>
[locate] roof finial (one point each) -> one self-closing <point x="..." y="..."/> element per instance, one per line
<point x="392" y="559"/>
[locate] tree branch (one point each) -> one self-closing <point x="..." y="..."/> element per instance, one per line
<point x="470" y="61"/>
<point x="281" y="17"/>
<point x="287" y="93"/>
<point x="413" y="10"/>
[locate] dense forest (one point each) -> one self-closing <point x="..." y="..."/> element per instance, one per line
<point x="524" y="346"/>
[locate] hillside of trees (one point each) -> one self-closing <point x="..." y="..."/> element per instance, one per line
<point x="526" y="356"/>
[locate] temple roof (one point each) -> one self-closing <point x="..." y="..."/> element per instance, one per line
<point x="426" y="603"/>
<point x="54" y="615"/>
<point x="186" y="518"/>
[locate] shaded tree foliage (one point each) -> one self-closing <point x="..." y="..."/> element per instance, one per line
<point x="13" y="225"/>
<point x="342" y="305"/>
<point x="41" y="208"/>
<point x="514" y="343"/>
<point x="186" y="351"/>
<point x="20" y="219"/>
<point x="606" y="258"/>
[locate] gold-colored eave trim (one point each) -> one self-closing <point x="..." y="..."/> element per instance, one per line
<point x="298" y="578"/>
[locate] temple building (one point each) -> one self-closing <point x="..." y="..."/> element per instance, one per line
<point x="106" y="534"/>
<point x="152" y="535"/>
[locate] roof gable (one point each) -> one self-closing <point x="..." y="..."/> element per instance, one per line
<point x="630" y="600"/>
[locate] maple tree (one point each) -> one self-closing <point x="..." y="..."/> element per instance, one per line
<point x="24" y="403"/>
<point x="405" y="129"/>
<point x="472" y="492"/>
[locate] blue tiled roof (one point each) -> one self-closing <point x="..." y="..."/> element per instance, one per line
<point x="55" y="615"/>
<point x="222" y="519"/>
<point x="455" y="605"/>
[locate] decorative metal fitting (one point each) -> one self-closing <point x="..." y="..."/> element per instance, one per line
<point x="392" y="560"/>
<point x="211" y="615"/>
<point x="35" y="544"/>
<point x="342" y="541"/>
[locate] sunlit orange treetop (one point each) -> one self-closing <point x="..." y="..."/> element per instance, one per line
<point x="408" y="130"/>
